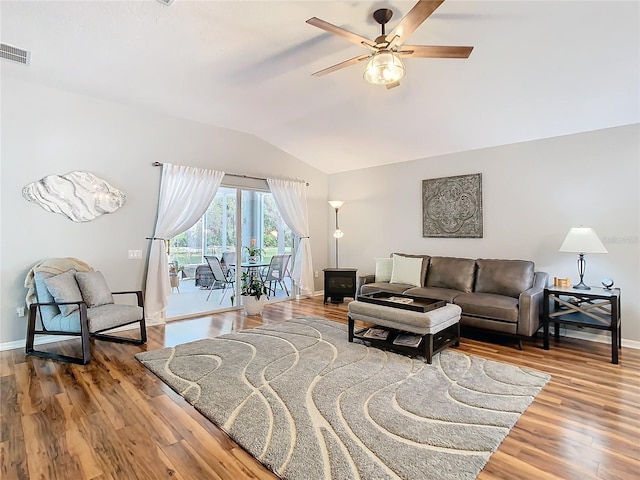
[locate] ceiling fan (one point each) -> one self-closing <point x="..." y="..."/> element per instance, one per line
<point x="385" y="66"/>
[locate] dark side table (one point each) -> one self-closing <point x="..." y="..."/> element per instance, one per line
<point x="597" y="308"/>
<point x="339" y="283"/>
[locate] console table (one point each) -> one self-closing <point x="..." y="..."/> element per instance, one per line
<point x="597" y="308"/>
<point x="339" y="283"/>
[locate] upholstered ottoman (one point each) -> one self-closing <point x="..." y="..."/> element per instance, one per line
<point x="438" y="328"/>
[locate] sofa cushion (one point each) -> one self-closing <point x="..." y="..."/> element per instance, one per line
<point x="451" y="272"/>
<point x="489" y="305"/>
<point x="436" y="293"/>
<point x="384" y="267"/>
<point x="64" y="288"/>
<point x="504" y="277"/>
<point x="384" y="287"/>
<point x="94" y="288"/>
<point x="425" y="265"/>
<point x="407" y="270"/>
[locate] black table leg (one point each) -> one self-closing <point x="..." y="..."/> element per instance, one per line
<point x="545" y="322"/>
<point x="351" y="327"/>
<point x="615" y="330"/>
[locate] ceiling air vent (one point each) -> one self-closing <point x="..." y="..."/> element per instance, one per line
<point x="14" y="54"/>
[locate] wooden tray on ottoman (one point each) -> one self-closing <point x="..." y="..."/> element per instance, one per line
<point x="406" y="302"/>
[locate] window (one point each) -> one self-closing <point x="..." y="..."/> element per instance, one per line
<point x="219" y="231"/>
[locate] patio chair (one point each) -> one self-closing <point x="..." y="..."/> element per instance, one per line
<point x="77" y="303"/>
<point x="276" y="273"/>
<point x="228" y="264"/>
<point x="219" y="276"/>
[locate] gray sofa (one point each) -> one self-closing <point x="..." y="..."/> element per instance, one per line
<point x="503" y="296"/>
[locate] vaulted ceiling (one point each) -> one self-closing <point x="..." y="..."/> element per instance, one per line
<point x="539" y="69"/>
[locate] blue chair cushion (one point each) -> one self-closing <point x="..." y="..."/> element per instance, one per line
<point x="43" y="295"/>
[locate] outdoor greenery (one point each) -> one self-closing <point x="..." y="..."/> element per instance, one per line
<point x="206" y="236"/>
<point x="187" y="246"/>
<point x="193" y="256"/>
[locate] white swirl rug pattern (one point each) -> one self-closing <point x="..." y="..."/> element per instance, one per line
<point x="310" y="405"/>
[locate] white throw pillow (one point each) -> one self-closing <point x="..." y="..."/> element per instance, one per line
<point x="94" y="288"/>
<point x="384" y="267"/>
<point x="406" y="270"/>
<point x="64" y="288"/>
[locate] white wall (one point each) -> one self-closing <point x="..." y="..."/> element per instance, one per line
<point x="533" y="193"/>
<point x="48" y="131"/>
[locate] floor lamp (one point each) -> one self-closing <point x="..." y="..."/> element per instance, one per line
<point x="337" y="234"/>
<point x="582" y="240"/>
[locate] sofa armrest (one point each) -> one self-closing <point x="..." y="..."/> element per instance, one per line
<point x="363" y="280"/>
<point x="530" y="305"/>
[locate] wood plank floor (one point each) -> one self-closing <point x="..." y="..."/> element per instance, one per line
<point x="112" y="419"/>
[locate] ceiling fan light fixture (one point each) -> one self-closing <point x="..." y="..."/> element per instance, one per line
<point x="384" y="68"/>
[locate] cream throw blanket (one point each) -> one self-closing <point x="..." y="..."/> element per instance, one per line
<point x="51" y="265"/>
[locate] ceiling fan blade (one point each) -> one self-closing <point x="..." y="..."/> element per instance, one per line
<point x="341" y="32"/>
<point x="341" y="65"/>
<point x="428" y="51"/>
<point x="412" y="20"/>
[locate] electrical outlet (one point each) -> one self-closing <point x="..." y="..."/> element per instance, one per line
<point x="135" y="254"/>
<point x="20" y="311"/>
<point x="316" y="273"/>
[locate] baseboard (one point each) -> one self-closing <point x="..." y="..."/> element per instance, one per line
<point x="40" y="340"/>
<point x="44" y="339"/>
<point x="603" y="337"/>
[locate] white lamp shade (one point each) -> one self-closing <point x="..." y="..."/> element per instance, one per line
<point x="582" y="240"/>
<point x="336" y="203"/>
<point x="338" y="233"/>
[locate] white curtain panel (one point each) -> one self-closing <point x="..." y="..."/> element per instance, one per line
<point x="185" y="195"/>
<point x="291" y="199"/>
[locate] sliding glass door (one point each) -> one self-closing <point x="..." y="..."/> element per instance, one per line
<point x="238" y="224"/>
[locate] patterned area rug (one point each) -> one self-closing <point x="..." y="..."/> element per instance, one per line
<point x="310" y="405"/>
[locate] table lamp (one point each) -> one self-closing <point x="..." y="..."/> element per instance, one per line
<point x="582" y="240"/>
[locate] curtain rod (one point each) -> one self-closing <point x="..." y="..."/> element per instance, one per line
<point x="158" y="164"/>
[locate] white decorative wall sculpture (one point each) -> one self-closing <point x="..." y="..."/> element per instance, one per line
<point x="80" y="196"/>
